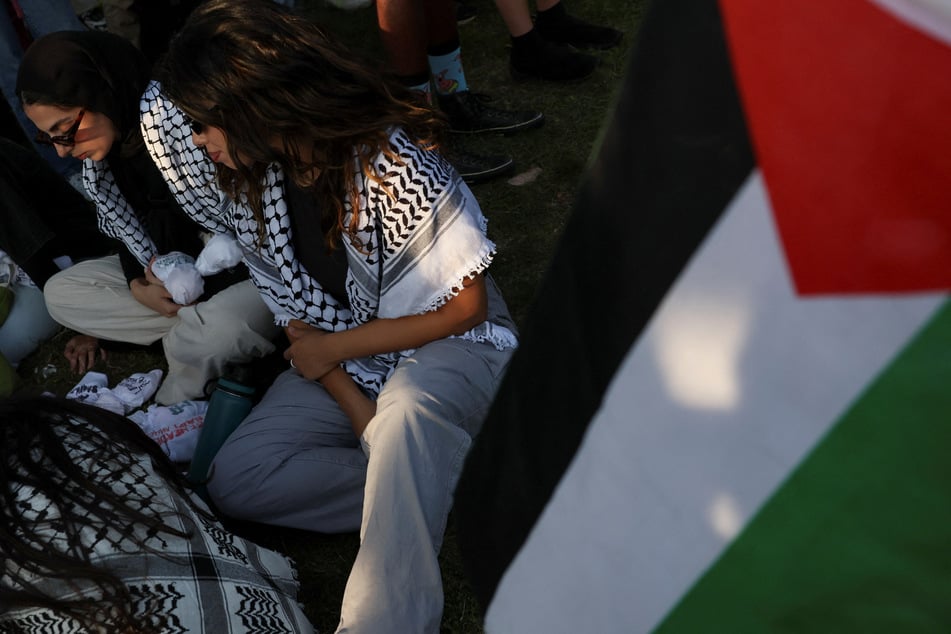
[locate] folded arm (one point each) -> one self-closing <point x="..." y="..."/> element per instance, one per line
<point x="315" y="355"/>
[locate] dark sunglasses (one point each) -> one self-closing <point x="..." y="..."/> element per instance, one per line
<point x="196" y="126"/>
<point x="68" y="139"/>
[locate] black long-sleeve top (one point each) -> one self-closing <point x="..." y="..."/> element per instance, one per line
<point x="161" y="216"/>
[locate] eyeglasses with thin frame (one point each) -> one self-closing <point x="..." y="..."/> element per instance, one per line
<point x="68" y="139"/>
<point x="196" y="126"/>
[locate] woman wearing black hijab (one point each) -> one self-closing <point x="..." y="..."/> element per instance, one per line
<point x="82" y="90"/>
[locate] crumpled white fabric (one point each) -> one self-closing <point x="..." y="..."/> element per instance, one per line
<point x="129" y="394"/>
<point x="11" y="274"/>
<point x="174" y="427"/>
<point x="90" y="388"/>
<point x="181" y="278"/>
<point x="182" y="274"/>
<point x="138" y="388"/>
<point x="220" y="253"/>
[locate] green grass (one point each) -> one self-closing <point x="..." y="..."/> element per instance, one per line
<point x="524" y="221"/>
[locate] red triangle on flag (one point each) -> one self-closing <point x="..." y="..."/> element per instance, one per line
<point x="852" y="131"/>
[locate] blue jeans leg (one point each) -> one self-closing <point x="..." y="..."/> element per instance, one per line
<point x="27" y="326"/>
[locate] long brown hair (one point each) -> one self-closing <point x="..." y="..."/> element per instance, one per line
<point x="283" y="90"/>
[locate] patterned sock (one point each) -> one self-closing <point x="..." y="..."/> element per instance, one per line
<point x="425" y="91"/>
<point x="419" y="83"/>
<point x="446" y="67"/>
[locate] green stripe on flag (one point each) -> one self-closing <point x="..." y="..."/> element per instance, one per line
<point x="858" y="539"/>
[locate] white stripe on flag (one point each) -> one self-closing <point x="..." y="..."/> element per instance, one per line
<point x="929" y="16"/>
<point x="733" y="382"/>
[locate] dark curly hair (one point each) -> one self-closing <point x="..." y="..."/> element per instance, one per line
<point x="43" y="442"/>
<point x="283" y="90"/>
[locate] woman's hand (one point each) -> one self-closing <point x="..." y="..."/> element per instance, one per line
<point x="461" y="313"/>
<point x="315" y="353"/>
<point x="150" y="276"/>
<point x="355" y="404"/>
<point x="154" y="296"/>
<point x="309" y="352"/>
<point x="81" y="352"/>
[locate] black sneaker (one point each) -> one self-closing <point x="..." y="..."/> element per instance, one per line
<point x="469" y="113"/>
<point x="477" y="168"/>
<point x="533" y="57"/>
<point x="465" y="12"/>
<point x="555" y="25"/>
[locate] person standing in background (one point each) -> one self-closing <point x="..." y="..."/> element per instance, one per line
<point x="421" y="38"/>
<point x="547" y="47"/>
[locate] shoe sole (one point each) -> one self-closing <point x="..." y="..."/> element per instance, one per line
<point x="521" y="76"/>
<point x="537" y="122"/>
<point x="487" y="175"/>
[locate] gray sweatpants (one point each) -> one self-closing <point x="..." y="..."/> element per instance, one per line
<point x="296" y="462"/>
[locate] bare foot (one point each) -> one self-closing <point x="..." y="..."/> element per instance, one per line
<point x="81" y="352"/>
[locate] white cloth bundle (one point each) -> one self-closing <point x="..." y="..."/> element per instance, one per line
<point x="220" y="253"/>
<point x="182" y="274"/>
<point x="181" y="278"/>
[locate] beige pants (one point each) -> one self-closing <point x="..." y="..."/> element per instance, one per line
<point x="234" y="326"/>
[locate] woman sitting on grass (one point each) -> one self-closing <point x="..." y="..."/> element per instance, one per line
<point x="373" y="250"/>
<point x="82" y="90"/>
<point x="97" y="534"/>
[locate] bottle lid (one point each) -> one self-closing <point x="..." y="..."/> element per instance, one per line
<point x="230" y="385"/>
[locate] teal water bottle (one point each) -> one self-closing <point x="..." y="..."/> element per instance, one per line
<point x="230" y="403"/>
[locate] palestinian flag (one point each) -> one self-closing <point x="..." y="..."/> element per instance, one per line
<point x="731" y="408"/>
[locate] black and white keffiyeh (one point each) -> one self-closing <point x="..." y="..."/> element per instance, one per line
<point x="420" y="235"/>
<point x="115" y="216"/>
<point x="210" y="582"/>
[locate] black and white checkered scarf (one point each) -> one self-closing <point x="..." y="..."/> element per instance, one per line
<point x="208" y="582"/>
<point x="115" y="216"/>
<point x="420" y="237"/>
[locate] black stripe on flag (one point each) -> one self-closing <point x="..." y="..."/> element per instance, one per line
<point x="673" y="156"/>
